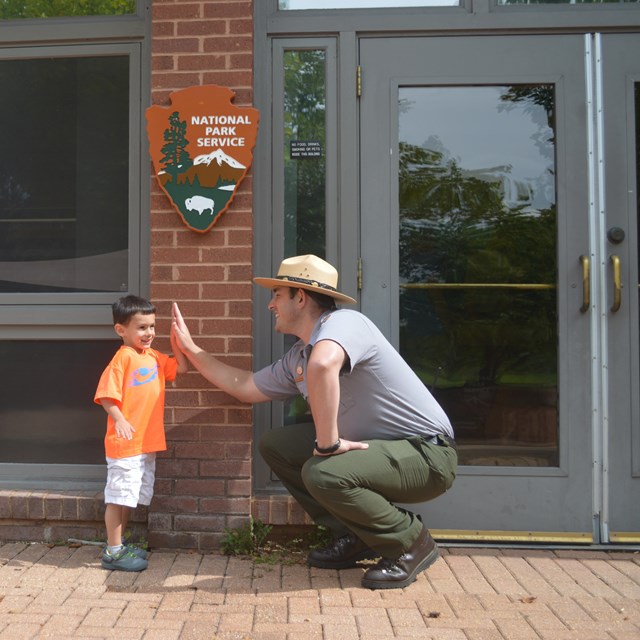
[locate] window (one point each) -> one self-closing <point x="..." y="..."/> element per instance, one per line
<point x="46" y="413"/>
<point x="304" y="152"/>
<point x="64" y="174"/>
<point x="304" y="191"/>
<point x="11" y="9"/>
<point x="73" y="227"/>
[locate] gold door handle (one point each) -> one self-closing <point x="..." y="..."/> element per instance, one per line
<point x="617" y="284"/>
<point x="586" y="287"/>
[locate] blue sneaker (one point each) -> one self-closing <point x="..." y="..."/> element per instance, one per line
<point x="138" y="551"/>
<point x="123" y="560"/>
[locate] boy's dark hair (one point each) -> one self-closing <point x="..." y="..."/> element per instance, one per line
<point x="126" y="307"/>
<point x="325" y="302"/>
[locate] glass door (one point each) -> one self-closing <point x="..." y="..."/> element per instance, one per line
<point x="476" y="263"/>
<point x="618" y="84"/>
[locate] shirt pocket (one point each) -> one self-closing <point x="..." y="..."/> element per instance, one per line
<point x="347" y="401"/>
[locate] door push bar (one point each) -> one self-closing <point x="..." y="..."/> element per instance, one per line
<point x="617" y="283"/>
<point x="586" y="287"/>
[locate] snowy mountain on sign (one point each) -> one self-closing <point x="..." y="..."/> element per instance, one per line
<point x="219" y="156"/>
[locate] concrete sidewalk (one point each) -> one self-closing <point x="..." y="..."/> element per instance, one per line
<point x="469" y="594"/>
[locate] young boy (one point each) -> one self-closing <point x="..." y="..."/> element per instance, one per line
<point x="131" y="390"/>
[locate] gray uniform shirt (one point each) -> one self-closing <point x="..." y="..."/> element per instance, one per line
<point x="380" y="395"/>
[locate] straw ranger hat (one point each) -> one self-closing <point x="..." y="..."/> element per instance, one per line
<point x="307" y="272"/>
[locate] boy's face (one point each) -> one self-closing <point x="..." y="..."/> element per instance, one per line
<point x="139" y="332"/>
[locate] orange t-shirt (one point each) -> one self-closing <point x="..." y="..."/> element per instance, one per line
<point x="135" y="382"/>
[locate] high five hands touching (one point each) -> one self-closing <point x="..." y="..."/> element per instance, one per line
<point x="180" y="332"/>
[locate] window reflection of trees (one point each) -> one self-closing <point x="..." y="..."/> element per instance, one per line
<point x="11" y="9"/>
<point x="304" y="179"/>
<point x="464" y="227"/>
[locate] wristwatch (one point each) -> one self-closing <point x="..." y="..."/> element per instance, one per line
<point x="332" y="449"/>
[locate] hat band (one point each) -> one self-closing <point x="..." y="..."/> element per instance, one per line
<point x="313" y="283"/>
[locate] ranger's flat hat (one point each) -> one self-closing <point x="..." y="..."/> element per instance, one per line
<point x="307" y="272"/>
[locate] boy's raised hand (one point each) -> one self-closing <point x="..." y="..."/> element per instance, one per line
<point x="180" y="331"/>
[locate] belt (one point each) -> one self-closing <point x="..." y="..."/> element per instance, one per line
<point x="442" y="440"/>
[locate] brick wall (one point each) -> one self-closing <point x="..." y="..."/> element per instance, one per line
<point x="56" y="516"/>
<point x="203" y="481"/>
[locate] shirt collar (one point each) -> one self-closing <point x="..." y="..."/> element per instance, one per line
<point x="316" y="329"/>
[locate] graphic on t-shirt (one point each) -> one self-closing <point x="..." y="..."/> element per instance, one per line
<point x="144" y="375"/>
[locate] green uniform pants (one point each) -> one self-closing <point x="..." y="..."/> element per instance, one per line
<point x="358" y="490"/>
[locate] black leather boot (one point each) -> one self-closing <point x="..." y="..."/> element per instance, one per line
<point x="397" y="573"/>
<point x="343" y="553"/>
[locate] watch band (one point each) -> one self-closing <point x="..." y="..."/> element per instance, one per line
<point x="332" y="449"/>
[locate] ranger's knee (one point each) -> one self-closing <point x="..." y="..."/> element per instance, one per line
<point x="317" y="477"/>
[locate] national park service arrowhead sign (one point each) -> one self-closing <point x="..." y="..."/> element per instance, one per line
<point x="201" y="147"/>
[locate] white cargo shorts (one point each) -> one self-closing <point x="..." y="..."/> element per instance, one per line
<point x="130" y="480"/>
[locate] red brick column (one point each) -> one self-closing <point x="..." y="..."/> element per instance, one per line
<point x="203" y="481"/>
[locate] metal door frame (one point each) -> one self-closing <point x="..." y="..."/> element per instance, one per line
<point x="472" y="17"/>
<point x="568" y="151"/>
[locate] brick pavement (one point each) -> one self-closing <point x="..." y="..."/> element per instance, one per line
<point x="60" y="592"/>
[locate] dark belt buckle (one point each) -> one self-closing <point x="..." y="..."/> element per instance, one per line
<point x="442" y="439"/>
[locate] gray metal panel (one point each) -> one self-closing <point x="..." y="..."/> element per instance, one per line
<point x="348" y="243"/>
<point x="141" y="176"/>
<point x="481" y="15"/>
<point x="55" y="477"/>
<point x="262" y="226"/>
<point x="262" y="190"/>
